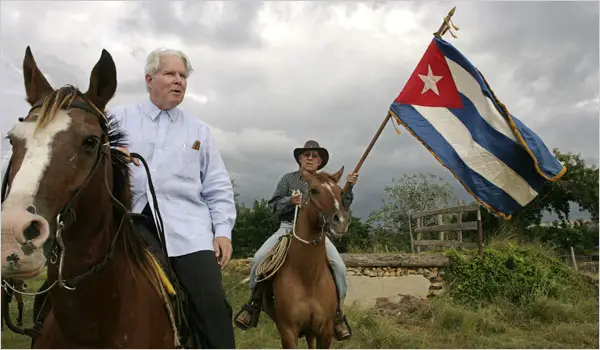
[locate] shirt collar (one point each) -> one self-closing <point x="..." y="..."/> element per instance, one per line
<point x="153" y="112"/>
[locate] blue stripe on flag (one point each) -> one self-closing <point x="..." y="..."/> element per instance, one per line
<point x="547" y="162"/>
<point x="505" y="149"/>
<point x="546" y="159"/>
<point x="483" y="189"/>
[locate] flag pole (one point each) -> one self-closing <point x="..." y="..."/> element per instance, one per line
<point x="348" y="186"/>
<point x="445" y="27"/>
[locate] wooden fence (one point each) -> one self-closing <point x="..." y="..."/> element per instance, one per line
<point x="442" y="228"/>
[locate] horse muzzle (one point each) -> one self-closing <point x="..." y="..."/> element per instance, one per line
<point x="338" y="224"/>
<point x="23" y="238"/>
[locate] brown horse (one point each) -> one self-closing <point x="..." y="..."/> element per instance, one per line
<point x="69" y="189"/>
<point x="303" y="298"/>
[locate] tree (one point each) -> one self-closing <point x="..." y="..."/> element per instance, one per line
<point x="358" y="237"/>
<point x="414" y="192"/>
<point x="252" y="228"/>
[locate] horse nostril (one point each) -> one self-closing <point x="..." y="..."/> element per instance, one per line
<point x="13" y="258"/>
<point x="336" y="218"/>
<point x="32" y="231"/>
<point x="31" y="209"/>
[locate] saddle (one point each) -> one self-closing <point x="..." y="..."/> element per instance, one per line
<point x="176" y="293"/>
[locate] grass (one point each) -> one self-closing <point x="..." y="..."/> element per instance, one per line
<point x="439" y="323"/>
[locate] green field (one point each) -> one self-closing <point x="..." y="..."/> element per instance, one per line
<point x="547" y="323"/>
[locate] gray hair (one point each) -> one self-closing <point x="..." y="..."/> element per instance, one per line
<point x="153" y="61"/>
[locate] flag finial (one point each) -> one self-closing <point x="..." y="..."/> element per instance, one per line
<point x="447" y="25"/>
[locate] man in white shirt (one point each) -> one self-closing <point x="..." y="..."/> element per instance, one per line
<point x="193" y="189"/>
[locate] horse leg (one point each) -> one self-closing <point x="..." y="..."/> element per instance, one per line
<point x="325" y="338"/>
<point x="311" y="341"/>
<point x="289" y="338"/>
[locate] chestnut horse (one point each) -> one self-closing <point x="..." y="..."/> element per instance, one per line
<point x="302" y="299"/>
<point x="70" y="190"/>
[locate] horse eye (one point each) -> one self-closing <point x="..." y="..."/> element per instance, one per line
<point x="90" y="143"/>
<point x="314" y="191"/>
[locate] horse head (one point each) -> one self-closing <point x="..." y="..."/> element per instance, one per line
<point x="326" y="197"/>
<point x="59" y="160"/>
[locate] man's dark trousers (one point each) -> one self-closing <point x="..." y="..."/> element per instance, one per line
<point x="209" y="312"/>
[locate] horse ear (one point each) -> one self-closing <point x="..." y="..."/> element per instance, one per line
<point x="36" y="85"/>
<point x="103" y="81"/>
<point x="338" y="175"/>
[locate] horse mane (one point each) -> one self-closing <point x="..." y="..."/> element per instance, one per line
<point x="132" y="244"/>
<point x="53" y="103"/>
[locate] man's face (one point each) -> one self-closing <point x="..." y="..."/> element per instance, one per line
<point x="310" y="161"/>
<point x="168" y="85"/>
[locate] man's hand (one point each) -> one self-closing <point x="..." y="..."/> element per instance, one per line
<point x="223" y="250"/>
<point x="352" y="177"/>
<point x="129" y="159"/>
<point x="296" y="199"/>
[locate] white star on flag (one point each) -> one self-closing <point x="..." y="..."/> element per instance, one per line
<point x="430" y="81"/>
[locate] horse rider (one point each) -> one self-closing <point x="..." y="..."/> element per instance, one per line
<point x="310" y="159"/>
<point x="193" y="188"/>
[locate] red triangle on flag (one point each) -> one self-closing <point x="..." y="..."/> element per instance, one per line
<point x="431" y="83"/>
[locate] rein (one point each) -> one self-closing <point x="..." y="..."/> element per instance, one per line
<point x="319" y="240"/>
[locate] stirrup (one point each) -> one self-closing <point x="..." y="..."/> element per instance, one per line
<point x="253" y="311"/>
<point x="345" y="321"/>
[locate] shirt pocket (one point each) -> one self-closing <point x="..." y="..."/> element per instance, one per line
<point x="189" y="163"/>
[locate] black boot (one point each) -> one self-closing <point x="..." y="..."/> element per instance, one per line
<point x="341" y="328"/>
<point x="248" y="316"/>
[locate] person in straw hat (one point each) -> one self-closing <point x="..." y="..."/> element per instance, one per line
<point x="310" y="158"/>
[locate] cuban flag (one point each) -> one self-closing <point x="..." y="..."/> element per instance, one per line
<point x="448" y="106"/>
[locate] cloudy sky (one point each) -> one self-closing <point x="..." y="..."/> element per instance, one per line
<point x="271" y="75"/>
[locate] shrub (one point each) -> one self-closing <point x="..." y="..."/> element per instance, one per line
<point x="519" y="274"/>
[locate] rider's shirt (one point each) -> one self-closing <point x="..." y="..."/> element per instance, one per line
<point x="193" y="188"/>
<point x="281" y="200"/>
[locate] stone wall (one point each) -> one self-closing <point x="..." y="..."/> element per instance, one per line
<point x="427" y="265"/>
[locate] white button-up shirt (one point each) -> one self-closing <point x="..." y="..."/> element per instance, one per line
<point x="193" y="189"/>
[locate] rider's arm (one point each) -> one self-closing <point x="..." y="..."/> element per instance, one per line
<point x="281" y="203"/>
<point x="217" y="189"/>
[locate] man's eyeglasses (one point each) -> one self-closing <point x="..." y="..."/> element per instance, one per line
<point x="311" y="154"/>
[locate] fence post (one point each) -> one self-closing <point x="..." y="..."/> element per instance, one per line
<point x="412" y="241"/>
<point x="480" y="231"/>
<point x="573" y="259"/>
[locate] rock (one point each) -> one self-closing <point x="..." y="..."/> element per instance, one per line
<point x="436" y="279"/>
<point x="436" y="286"/>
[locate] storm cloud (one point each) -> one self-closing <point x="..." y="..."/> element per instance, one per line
<point x="269" y="76"/>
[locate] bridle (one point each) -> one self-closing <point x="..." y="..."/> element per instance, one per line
<point x="324" y="222"/>
<point x="68" y="211"/>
